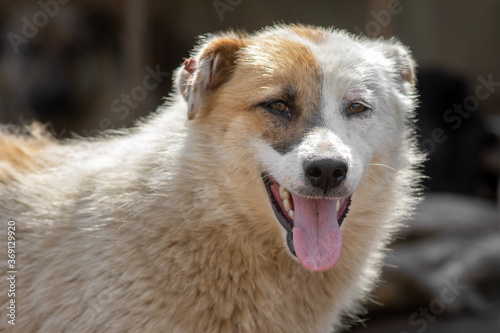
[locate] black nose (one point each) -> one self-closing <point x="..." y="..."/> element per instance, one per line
<point x="325" y="174"/>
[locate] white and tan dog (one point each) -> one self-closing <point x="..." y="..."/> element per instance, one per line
<point x="260" y="199"/>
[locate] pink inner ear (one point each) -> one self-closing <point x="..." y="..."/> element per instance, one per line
<point x="213" y="70"/>
<point x="190" y="65"/>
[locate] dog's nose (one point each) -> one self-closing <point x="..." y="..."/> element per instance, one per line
<point x="325" y="174"/>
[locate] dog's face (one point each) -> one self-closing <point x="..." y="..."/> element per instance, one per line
<point x="316" y="108"/>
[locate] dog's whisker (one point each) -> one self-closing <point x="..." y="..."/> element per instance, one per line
<point x="382" y="165"/>
<point x="372" y="176"/>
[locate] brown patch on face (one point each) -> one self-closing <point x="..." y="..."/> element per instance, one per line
<point x="267" y="69"/>
<point x="284" y="70"/>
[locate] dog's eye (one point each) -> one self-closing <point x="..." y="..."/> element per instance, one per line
<point x="357" y="107"/>
<point x="279" y="108"/>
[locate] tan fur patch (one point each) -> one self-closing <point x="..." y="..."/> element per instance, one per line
<point x="223" y="52"/>
<point x="314" y="35"/>
<point x="19" y="153"/>
<point x="276" y="69"/>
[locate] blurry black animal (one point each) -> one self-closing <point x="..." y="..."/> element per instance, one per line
<point x="454" y="135"/>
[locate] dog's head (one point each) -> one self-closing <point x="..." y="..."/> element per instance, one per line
<point x="312" y="110"/>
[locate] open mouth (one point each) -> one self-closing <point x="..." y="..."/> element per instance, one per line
<point x="312" y="224"/>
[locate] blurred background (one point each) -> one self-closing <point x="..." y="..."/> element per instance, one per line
<point x="85" y="66"/>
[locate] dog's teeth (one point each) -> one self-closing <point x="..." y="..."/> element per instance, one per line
<point x="284" y="194"/>
<point x="291" y="214"/>
<point x="287" y="205"/>
<point x="338" y="206"/>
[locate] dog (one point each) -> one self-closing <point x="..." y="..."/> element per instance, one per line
<point x="259" y="198"/>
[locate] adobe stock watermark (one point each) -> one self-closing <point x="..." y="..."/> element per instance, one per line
<point x="30" y="27"/>
<point x="459" y="112"/>
<point x="11" y="272"/>
<point x="223" y="6"/>
<point x="381" y="19"/>
<point x="420" y="319"/>
<point x="127" y="102"/>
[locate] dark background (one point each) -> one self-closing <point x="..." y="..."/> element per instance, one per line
<point x="78" y="66"/>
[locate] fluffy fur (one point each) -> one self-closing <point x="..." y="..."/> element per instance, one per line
<point x="167" y="227"/>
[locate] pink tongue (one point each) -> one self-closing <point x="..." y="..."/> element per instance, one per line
<point x="317" y="238"/>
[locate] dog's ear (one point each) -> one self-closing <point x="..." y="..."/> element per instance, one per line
<point x="402" y="62"/>
<point x="202" y="74"/>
